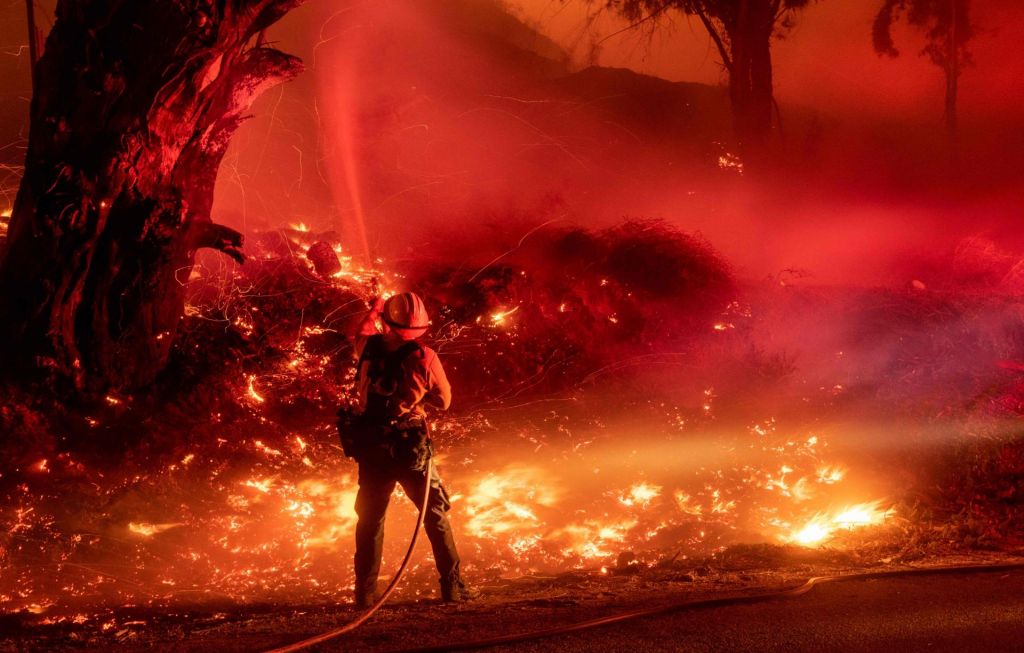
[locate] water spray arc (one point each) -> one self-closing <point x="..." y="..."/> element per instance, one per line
<point x="346" y="130"/>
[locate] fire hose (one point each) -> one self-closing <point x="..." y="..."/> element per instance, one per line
<point x="363" y="618"/>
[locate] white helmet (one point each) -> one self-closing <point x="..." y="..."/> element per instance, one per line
<point x="406" y="315"/>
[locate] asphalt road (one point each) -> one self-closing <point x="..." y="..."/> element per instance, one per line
<point x="973" y="612"/>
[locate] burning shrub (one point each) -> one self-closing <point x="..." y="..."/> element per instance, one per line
<point x="543" y="317"/>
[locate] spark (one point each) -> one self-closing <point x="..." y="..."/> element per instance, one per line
<point x="498" y="317"/>
<point x="255" y="396"/>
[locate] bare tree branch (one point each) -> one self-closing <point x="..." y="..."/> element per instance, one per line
<point x="716" y="37"/>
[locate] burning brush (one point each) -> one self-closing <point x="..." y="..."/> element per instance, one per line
<point x="241" y="492"/>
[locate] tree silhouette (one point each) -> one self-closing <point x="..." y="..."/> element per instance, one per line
<point x="742" y="31"/>
<point x="133" y="107"/>
<point x="947" y="29"/>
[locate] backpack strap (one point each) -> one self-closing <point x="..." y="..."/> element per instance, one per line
<point x="395" y="360"/>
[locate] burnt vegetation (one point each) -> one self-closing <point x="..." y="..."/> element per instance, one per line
<point x="134" y="109"/>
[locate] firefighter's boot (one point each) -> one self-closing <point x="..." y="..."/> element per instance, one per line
<point x="365" y="594"/>
<point x="456" y="591"/>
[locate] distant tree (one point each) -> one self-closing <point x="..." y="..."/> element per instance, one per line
<point x="742" y="31"/>
<point x="947" y="28"/>
<point x="133" y="107"/>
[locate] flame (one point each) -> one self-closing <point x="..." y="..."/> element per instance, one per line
<point x="822" y="526"/>
<point x="815" y="531"/>
<point x="830" y="474"/>
<point x="686" y="504"/>
<point x="865" y="514"/>
<point x="640" y="494"/>
<point x="334" y="508"/>
<point x="593" y="539"/>
<point x="506" y="501"/>
<point x="149" y="530"/>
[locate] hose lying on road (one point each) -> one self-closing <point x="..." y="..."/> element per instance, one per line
<point x="703" y="604"/>
<point x="349" y="627"/>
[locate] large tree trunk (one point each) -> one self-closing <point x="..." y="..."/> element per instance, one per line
<point x="751" y="90"/>
<point x="952" y="85"/>
<point x="952" y="127"/>
<point x="134" y="105"/>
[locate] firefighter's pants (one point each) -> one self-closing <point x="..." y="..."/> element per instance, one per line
<point x="376" y="482"/>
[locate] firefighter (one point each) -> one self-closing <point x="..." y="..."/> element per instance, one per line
<point x="396" y="377"/>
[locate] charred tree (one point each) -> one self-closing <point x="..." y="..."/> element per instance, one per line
<point x="948" y="30"/>
<point x="133" y="108"/>
<point x="742" y="31"/>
